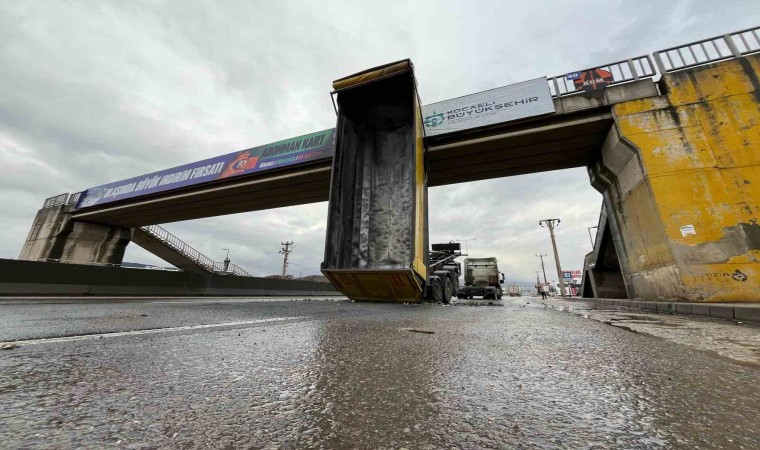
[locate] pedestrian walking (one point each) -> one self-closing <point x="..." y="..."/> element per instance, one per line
<point x="542" y="289"/>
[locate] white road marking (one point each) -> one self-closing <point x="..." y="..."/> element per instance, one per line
<point x="162" y="299"/>
<point x="150" y="331"/>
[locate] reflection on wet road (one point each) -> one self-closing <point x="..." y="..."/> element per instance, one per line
<point x="350" y="375"/>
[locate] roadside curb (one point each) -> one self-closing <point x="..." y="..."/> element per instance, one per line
<point x="732" y="311"/>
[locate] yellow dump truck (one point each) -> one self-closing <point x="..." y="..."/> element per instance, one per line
<point x="377" y="235"/>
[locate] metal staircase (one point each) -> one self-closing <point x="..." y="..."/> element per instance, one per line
<point x="174" y="250"/>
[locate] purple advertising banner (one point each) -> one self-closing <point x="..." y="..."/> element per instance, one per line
<point x="301" y="149"/>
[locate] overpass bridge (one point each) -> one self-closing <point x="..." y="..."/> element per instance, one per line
<point x="665" y="154"/>
<point x="564" y="139"/>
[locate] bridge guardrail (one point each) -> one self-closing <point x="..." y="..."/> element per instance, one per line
<point x="705" y="51"/>
<point x="74" y="198"/>
<point x="630" y="69"/>
<point x="57" y="200"/>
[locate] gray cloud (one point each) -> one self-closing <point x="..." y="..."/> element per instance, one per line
<point x="95" y="92"/>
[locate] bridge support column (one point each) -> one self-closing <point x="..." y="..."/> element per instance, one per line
<point x="680" y="176"/>
<point x="602" y="276"/>
<point x="54" y="236"/>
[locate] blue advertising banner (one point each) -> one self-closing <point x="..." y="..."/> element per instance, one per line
<point x="301" y="149"/>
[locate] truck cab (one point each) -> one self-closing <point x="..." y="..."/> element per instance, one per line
<point x="481" y="279"/>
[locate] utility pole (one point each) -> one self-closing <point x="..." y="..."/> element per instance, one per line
<point x="286" y="250"/>
<point x="541" y="255"/>
<point x="551" y="224"/>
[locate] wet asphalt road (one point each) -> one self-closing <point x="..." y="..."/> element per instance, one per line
<point x="325" y="374"/>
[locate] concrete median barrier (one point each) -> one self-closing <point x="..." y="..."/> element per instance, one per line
<point x="32" y="278"/>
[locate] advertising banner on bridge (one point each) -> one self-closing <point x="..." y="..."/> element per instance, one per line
<point x="504" y="104"/>
<point x="298" y="150"/>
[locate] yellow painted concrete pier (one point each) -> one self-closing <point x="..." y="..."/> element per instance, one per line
<point x="683" y="185"/>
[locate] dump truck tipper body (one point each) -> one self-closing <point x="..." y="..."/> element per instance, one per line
<point x="376" y="247"/>
<point x="481" y="279"/>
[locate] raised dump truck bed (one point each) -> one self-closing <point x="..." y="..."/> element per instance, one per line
<point x="376" y="245"/>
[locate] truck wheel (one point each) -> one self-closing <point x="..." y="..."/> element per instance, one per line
<point x="448" y="290"/>
<point x="436" y="289"/>
<point x="454" y="276"/>
<point x="446" y="283"/>
<point x="498" y="293"/>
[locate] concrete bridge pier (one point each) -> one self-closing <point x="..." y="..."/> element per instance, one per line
<point x="602" y="277"/>
<point x="680" y="176"/>
<point x="55" y="236"/>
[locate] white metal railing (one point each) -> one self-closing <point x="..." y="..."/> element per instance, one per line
<point x="74" y="198"/>
<point x="622" y="71"/>
<point x="62" y="199"/>
<point x="58" y="200"/>
<point x="189" y="252"/>
<point x="727" y="46"/>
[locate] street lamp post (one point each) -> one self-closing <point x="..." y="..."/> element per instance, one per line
<point x="589" y="236"/>
<point x="466" y="249"/>
<point x="226" y="260"/>
<point x="551" y="224"/>
<point x="300" y="272"/>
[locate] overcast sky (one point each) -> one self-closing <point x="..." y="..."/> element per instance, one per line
<point x="93" y="92"/>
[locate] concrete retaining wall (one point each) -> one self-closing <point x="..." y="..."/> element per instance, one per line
<point x="26" y="278"/>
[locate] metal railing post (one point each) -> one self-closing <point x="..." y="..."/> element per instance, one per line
<point x="658" y="62"/>
<point x="732" y="45"/>
<point x="633" y="70"/>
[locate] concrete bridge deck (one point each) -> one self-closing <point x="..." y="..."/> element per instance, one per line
<point x="567" y="138"/>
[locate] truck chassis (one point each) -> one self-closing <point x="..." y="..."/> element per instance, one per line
<point x="487" y="292"/>
<point x="443" y="282"/>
